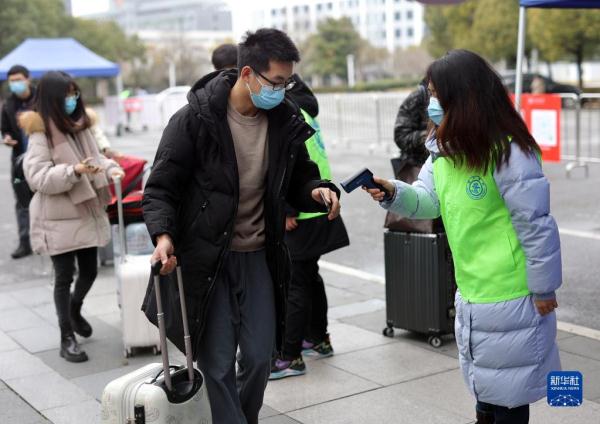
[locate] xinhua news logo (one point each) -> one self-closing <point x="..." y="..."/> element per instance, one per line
<point x="565" y="388"/>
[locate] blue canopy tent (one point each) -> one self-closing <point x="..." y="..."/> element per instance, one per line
<point x="550" y="4"/>
<point x="547" y="4"/>
<point x="41" y="55"/>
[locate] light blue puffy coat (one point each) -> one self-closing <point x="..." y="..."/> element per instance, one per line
<point x="506" y="349"/>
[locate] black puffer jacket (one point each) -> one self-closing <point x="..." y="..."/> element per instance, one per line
<point x="192" y="193"/>
<point x="410" y="128"/>
<point x="10" y="109"/>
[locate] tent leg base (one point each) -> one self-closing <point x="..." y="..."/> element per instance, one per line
<point x="577" y="164"/>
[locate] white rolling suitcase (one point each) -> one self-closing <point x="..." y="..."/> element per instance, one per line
<point x="159" y="394"/>
<point x="133" y="274"/>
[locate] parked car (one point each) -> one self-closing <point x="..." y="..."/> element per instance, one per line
<point x="509" y="79"/>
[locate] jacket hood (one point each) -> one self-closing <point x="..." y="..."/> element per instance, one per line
<point x="32" y="122"/>
<point x="304" y="97"/>
<point x="432" y="146"/>
<point x="211" y="93"/>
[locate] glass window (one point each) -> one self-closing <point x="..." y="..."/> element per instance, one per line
<point x="274" y="12"/>
<point x="409" y="14"/>
<point x="398" y="33"/>
<point x="306" y="9"/>
<point x="329" y="6"/>
<point x="410" y="32"/>
<point x="319" y="7"/>
<point x="397" y="16"/>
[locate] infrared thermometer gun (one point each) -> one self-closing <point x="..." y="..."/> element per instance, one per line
<point x="364" y="177"/>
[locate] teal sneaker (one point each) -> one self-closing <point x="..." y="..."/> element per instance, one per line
<point x="320" y="350"/>
<point x="282" y="368"/>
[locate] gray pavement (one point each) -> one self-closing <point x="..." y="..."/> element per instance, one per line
<point x="370" y="379"/>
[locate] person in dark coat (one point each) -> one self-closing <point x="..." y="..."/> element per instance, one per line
<point x="308" y="236"/>
<point x="227" y="164"/>
<point x="21" y="100"/>
<point x="410" y="128"/>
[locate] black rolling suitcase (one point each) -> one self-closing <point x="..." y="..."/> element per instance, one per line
<point x="420" y="285"/>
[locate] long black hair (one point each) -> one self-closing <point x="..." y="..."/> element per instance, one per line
<point x="480" y="120"/>
<point x="52" y="90"/>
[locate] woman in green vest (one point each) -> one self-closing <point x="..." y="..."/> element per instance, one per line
<point x="484" y="178"/>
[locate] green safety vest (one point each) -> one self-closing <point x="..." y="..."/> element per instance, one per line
<point x="489" y="262"/>
<point x="317" y="153"/>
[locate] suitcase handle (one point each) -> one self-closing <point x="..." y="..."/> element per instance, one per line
<point x="161" y="325"/>
<point x="119" y="194"/>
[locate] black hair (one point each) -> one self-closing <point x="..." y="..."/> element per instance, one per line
<point x="18" y="69"/>
<point x="50" y="104"/>
<point x="479" y="117"/>
<point x="225" y="56"/>
<point x="264" y="45"/>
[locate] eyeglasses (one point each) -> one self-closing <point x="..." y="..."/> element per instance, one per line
<point x="288" y="85"/>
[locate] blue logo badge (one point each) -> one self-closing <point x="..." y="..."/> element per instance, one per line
<point x="476" y="188"/>
<point x="565" y="388"/>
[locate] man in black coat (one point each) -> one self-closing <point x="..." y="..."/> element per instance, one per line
<point x="215" y="203"/>
<point x="21" y="100"/>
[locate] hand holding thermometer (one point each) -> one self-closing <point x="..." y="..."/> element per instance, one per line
<point x="364" y="177"/>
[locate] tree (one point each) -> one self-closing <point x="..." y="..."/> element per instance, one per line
<point x="488" y="27"/>
<point x="495" y="30"/>
<point x="47" y="18"/>
<point x="106" y="39"/>
<point x="449" y="26"/>
<point x="566" y="34"/>
<point x="32" y="18"/>
<point x="325" y="52"/>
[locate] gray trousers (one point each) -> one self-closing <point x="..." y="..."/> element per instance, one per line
<point x="241" y="314"/>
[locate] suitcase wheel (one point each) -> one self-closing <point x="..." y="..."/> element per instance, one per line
<point x="127" y="353"/>
<point x="155" y="350"/>
<point x="435" y="341"/>
<point x="388" y="331"/>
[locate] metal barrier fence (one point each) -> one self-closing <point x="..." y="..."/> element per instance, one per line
<point x="367" y="120"/>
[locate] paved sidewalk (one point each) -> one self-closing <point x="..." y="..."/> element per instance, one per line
<point x="371" y="378"/>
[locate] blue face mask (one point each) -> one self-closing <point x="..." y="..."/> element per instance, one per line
<point x="18" y="87"/>
<point x="70" y="104"/>
<point x="267" y="98"/>
<point x="435" y="111"/>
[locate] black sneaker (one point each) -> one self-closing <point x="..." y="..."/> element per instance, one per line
<point x="22" y="251"/>
<point x="282" y="368"/>
<point x="79" y="323"/>
<point x="319" y="350"/>
<point x="70" y="350"/>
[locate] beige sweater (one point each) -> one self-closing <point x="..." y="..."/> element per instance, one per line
<point x="250" y="141"/>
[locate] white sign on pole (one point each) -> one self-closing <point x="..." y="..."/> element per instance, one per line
<point x="543" y="127"/>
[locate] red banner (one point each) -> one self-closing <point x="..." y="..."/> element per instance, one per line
<point x="541" y="113"/>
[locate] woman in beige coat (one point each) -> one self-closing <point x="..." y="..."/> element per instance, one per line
<point x="70" y="180"/>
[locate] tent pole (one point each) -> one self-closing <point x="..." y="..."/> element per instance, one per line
<point x="520" y="54"/>
<point x="120" y="105"/>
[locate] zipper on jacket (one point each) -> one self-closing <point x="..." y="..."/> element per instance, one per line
<point x="230" y="231"/>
